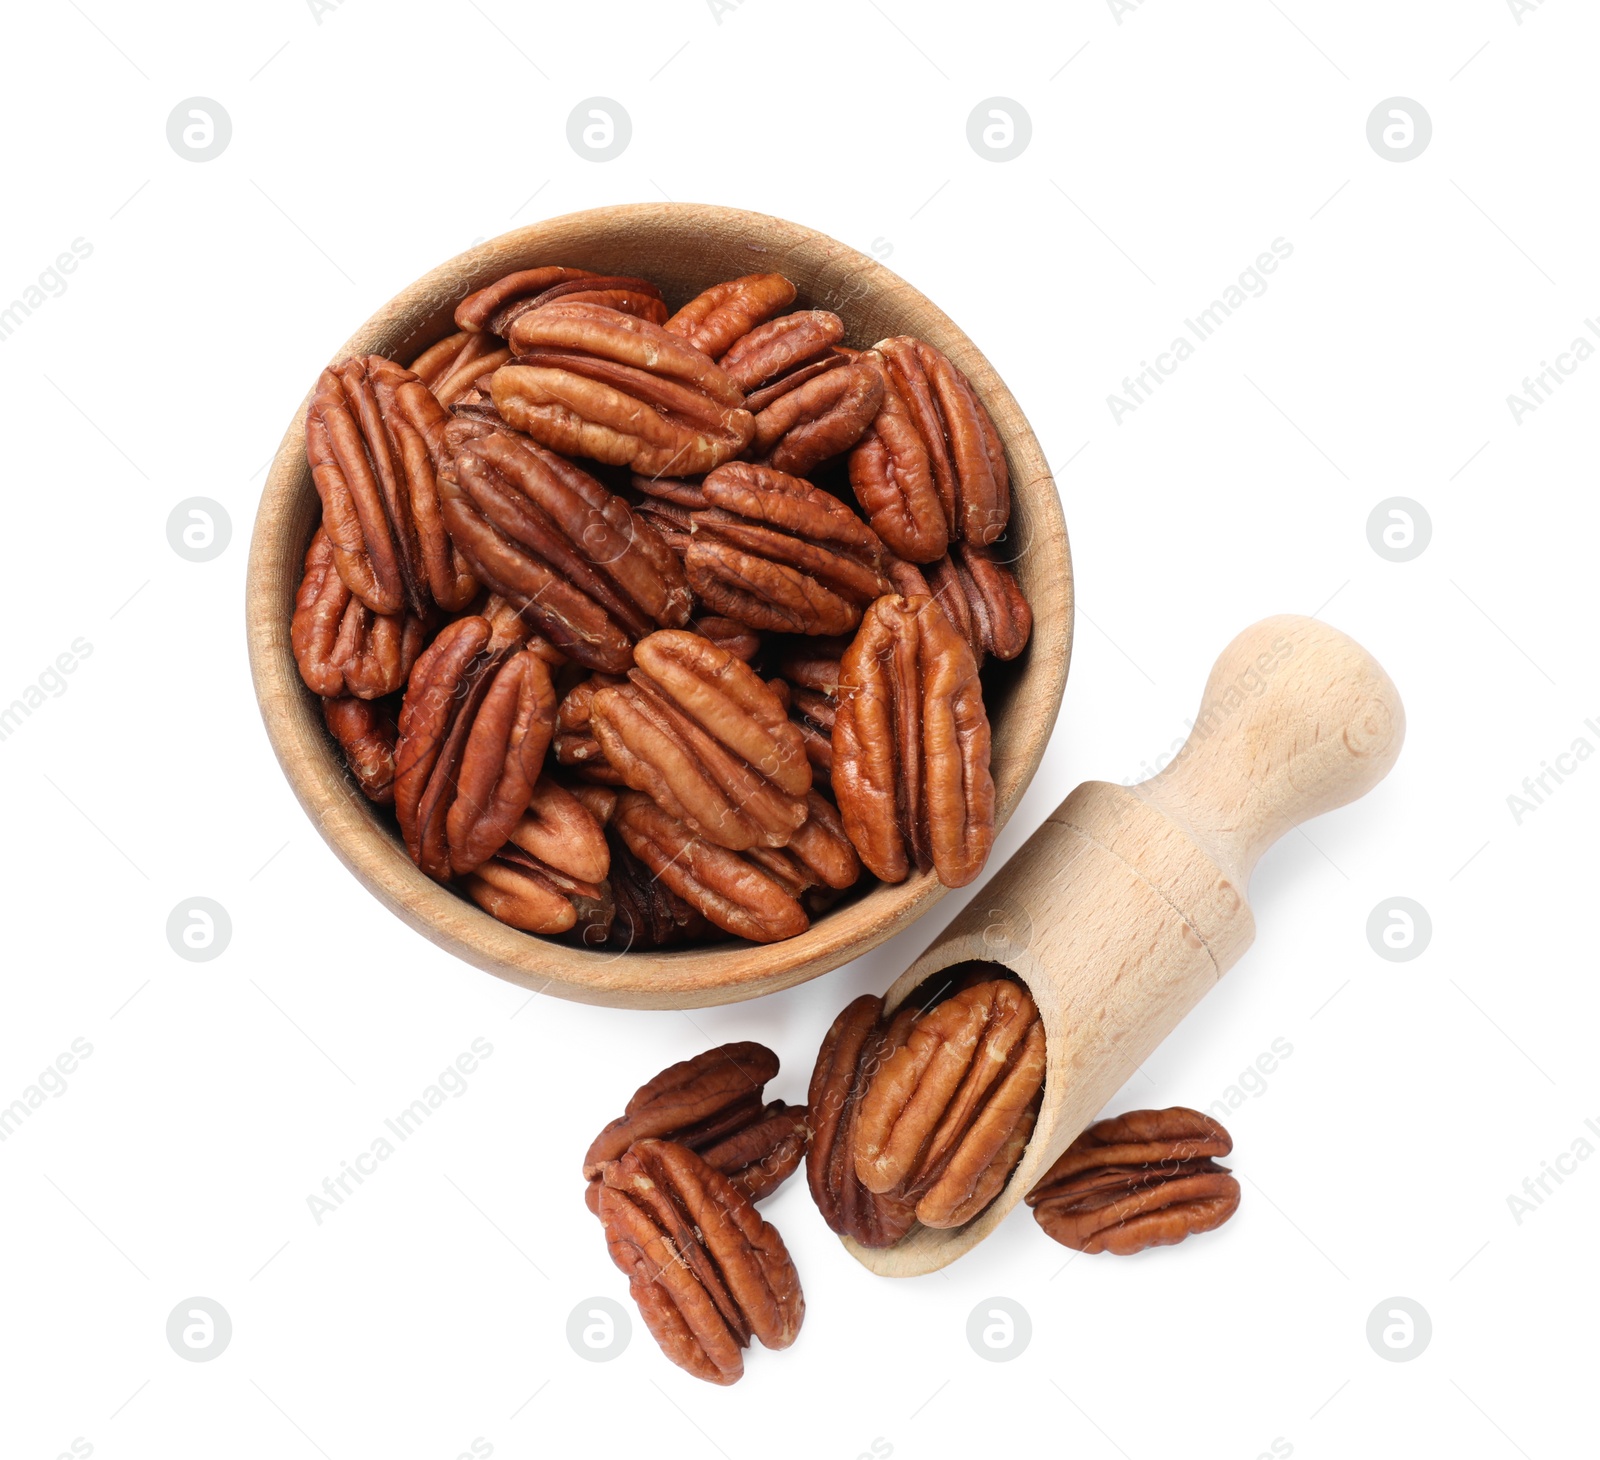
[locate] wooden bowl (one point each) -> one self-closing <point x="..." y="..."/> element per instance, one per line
<point x="683" y="248"/>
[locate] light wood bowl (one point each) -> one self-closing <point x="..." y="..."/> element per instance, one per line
<point x="683" y="248"/>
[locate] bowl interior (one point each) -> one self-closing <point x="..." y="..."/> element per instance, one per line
<point x="683" y="248"/>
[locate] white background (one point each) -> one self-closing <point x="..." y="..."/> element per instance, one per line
<point x="1169" y="147"/>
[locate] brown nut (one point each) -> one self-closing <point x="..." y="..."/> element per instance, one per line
<point x="566" y="552"/>
<point x="945" y="1119"/>
<point x="574" y="744"/>
<point x="550" y="873"/>
<point x="931" y="469"/>
<point x="493" y="308"/>
<point x="366" y="733"/>
<point x="776" y="553"/>
<point x="649" y="914"/>
<point x="742" y="642"/>
<point x="714" y="319"/>
<point x="452" y="367"/>
<point x="818" y="414"/>
<point x="729" y="890"/>
<point x="713" y="1105"/>
<point x="697" y="731"/>
<point x="1144" y="1179"/>
<point x="591" y="381"/>
<point x="911" y="746"/>
<point x="473" y="732"/>
<point x="707" y="1272"/>
<point x="818" y="855"/>
<point x="340" y="645"/>
<point x="775" y="349"/>
<point x="375" y="444"/>
<point x="853" y="1051"/>
<point x="982" y="598"/>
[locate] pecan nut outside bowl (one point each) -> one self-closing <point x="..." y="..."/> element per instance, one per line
<point x="684" y="248"/>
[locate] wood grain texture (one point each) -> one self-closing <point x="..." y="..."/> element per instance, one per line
<point x="1124" y="909"/>
<point x="682" y="247"/>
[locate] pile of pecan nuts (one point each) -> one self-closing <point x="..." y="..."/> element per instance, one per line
<point x="651" y="626"/>
<point x="918" y="1118"/>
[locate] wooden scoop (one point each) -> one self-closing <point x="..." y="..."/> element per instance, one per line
<point x="1128" y="904"/>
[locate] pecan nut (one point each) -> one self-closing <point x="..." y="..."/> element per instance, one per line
<point x="713" y="320"/>
<point x="781" y="346"/>
<point x="707" y="1272"/>
<point x="366" y="733"/>
<point x="945" y="1119"/>
<point x="474" y="728"/>
<point x="548" y="875"/>
<point x="814" y="414"/>
<point x="1145" y="1179"/>
<point x="648" y="913"/>
<point x="819" y="854"/>
<point x="911" y="746"/>
<point x="728" y="890"/>
<point x="453" y="367"/>
<point x="776" y="553"/>
<point x="340" y="645"/>
<point x="978" y="594"/>
<point x="592" y="381"/>
<point x="496" y="306"/>
<point x="853" y="1051"/>
<point x="375" y="443"/>
<point x="931" y="469"/>
<point x="574" y="743"/>
<point x="569" y="554"/>
<point x="713" y="1104"/>
<point x="699" y="732"/>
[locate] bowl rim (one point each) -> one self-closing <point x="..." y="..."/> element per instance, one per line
<point x="360" y="837"/>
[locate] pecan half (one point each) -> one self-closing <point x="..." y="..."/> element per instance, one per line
<point x="727" y="889"/>
<point x="851" y="1054"/>
<point x="375" y="443"/>
<point x="1145" y="1179"/>
<point x="550" y="869"/>
<point x="340" y="645"/>
<point x="778" y="347"/>
<point x="725" y="633"/>
<point x="714" y="319"/>
<point x="591" y="381"/>
<point x="473" y="732"/>
<point x="819" y="854"/>
<point x="574" y="743"/>
<point x="649" y="914"/>
<point x="931" y="469"/>
<point x="713" y="1105"/>
<point x="946" y="1117"/>
<point x="911" y="746"/>
<point x="707" y="1272"/>
<point x="569" y="554"/>
<point x="366" y="733"/>
<point x="976" y="592"/>
<point x="816" y="414"/>
<point x="698" y="731"/>
<point x="494" y="307"/>
<point x="776" y="553"/>
<point x="452" y="367"/>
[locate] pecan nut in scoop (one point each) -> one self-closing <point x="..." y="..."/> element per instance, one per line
<point x="727" y="889"/>
<point x="375" y="444"/>
<point x="1144" y="1179"/>
<point x="568" y="554"/>
<point x="699" y="732"/>
<point x="853" y="1051"/>
<point x="776" y="553"/>
<point x="549" y="875"/>
<point x="714" y="319"/>
<point x="340" y="645"/>
<point x="911" y="746"/>
<point x="931" y="469"/>
<point x="591" y="381"/>
<point x="474" y="728"/>
<point x="707" y="1272"/>
<point x="945" y="1119"/>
